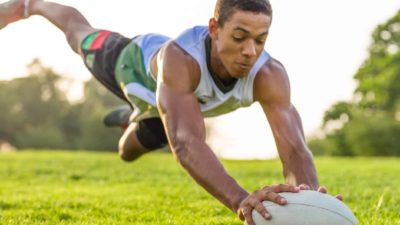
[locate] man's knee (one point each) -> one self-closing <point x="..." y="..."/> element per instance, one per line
<point x="129" y="146"/>
<point x="145" y="136"/>
<point x="125" y="157"/>
<point x="127" y="150"/>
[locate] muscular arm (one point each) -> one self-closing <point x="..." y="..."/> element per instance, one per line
<point x="183" y="121"/>
<point x="272" y="90"/>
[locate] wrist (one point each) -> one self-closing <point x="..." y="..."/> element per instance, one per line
<point x="237" y="199"/>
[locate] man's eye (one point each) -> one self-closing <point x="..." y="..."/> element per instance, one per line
<point x="260" y="42"/>
<point x="238" y="39"/>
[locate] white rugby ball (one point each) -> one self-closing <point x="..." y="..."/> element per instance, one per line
<point x="307" y="208"/>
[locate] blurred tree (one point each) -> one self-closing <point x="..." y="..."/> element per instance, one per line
<point x="29" y="103"/>
<point x="379" y="76"/>
<point x="93" y="134"/>
<point x="369" y="124"/>
<point x="35" y="113"/>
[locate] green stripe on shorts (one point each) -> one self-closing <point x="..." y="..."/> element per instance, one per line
<point x="130" y="68"/>
<point x="86" y="44"/>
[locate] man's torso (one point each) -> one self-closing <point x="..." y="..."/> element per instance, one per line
<point x="137" y="63"/>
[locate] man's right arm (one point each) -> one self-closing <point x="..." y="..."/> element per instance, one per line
<point x="180" y="112"/>
<point x="177" y="77"/>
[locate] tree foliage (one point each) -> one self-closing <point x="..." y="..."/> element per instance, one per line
<point x="35" y="113"/>
<point x="369" y="124"/>
<point x="379" y="76"/>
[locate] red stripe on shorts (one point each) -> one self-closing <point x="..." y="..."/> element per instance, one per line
<point x="98" y="42"/>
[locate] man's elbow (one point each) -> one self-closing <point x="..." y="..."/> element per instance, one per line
<point x="299" y="152"/>
<point x="181" y="147"/>
<point x="304" y="154"/>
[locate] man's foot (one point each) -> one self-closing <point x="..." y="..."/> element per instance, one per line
<point x="13" y="10"/>
<point x="118" y="117"/>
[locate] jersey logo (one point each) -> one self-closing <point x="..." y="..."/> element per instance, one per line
<point x="203" y="99"/>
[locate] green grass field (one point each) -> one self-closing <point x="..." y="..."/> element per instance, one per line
<point x="44" y="187"/>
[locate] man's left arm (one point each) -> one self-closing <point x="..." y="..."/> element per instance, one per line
<point x="272" y="91"/>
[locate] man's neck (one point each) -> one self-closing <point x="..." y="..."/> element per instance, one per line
<point x="217" y="70"/>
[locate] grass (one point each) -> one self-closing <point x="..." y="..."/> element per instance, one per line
<point x="48" y="187"/>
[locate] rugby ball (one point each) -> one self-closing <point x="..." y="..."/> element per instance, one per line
<point x="307" y="208"/>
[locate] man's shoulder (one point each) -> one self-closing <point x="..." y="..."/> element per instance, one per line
<point x="178" y="65"/>
<point x="271" y="69"/>
<point x="272" y="81"/>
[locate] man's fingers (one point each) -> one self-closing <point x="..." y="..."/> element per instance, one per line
<point x="259" y="207"/>
<point x="304" y="187"/>
<point x="283" y="188"/>
<point x="270" y="193"/>
<point x="322" y="189"/>
<point x="274" y="197"/>
<point x="248" y="216"/>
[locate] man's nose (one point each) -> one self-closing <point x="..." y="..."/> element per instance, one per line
<point x="249" y="48"/>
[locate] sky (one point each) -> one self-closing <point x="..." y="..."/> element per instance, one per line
<point x="320" y="43"/>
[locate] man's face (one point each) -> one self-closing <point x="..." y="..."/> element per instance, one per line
<point x="240" y="41"/>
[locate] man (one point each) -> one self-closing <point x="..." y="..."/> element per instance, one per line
<point x="172" y="83"/>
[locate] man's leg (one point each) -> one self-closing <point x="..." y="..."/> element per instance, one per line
<point x="68" y="19"/>
<point x="139" y="138"/>
<point x="11" y="11"/>
<point x="129" y="147"/>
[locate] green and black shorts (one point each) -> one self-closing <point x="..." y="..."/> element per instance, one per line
<point x="101" y="53"/>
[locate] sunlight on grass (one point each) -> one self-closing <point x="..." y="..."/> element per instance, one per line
<point x="97" y="188"/>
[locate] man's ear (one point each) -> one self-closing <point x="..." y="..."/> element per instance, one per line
<point x="213" y="28"/>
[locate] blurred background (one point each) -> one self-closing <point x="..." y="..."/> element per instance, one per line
<point x="342" y="58"/>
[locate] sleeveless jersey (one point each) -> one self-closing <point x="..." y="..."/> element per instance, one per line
<point x="212" y="100"/>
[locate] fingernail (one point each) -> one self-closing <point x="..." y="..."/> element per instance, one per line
<point x="267" y="216"/>
<point x="283" y="201"/>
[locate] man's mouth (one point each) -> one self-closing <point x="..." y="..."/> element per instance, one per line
<point x="244" y="66"/>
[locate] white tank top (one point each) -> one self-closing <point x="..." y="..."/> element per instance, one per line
<point x="212" y="100"/>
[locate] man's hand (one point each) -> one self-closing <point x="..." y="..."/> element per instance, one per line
<point x="254" y="201"/>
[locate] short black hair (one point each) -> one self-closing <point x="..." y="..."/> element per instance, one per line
<point x="225" y="8"/>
